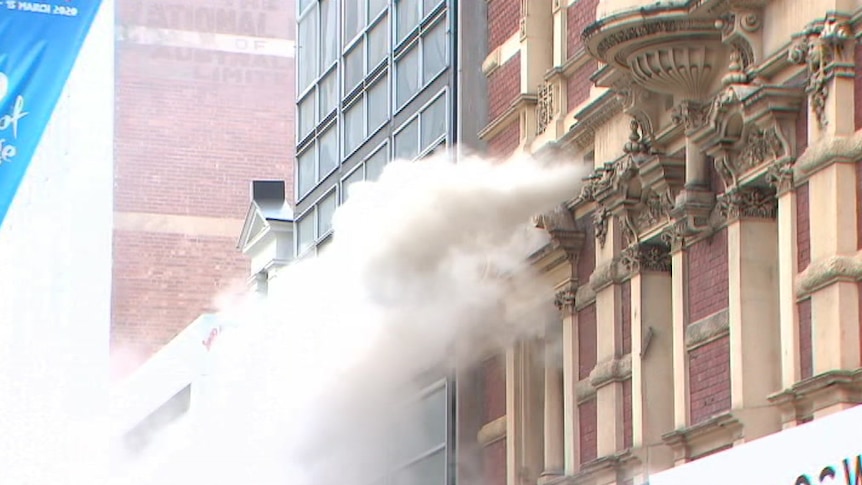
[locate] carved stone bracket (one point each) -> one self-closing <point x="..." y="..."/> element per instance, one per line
<point x="780" y="175"/>
<point x="691" y="114"/>
<point x="819" y="47"/>
<point x="601" y="218"/>
<point x="740" y="29"/>
<point x="646" y="257"/>
<point x="565" y="299"/>
<point x="560" y="225"/>
<point x="748" y="202"/>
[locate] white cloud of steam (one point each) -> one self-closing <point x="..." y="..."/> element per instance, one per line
<point x="427" y="266"/>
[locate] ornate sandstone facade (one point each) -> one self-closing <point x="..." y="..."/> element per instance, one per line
<point x="708" y="272"/>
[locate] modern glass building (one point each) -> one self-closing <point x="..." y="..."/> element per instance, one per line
<point x="375" y="82"/>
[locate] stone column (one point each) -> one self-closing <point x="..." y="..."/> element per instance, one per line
<point x="679" y="310"/>
<point x="787" y="268"/>
<point x="753" y="314"/>
<point x="609" y="389"/>
<point x="523" y="414"/>
<point x="566" y="302"/>
<point x="652" y="352"/>
<point x="554" y="462"/>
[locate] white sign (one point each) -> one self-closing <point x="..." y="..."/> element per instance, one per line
<point x="826" y="451"/>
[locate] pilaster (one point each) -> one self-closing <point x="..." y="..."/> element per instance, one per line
<point x="652" y="350"/>
<point x="753" y="313"/>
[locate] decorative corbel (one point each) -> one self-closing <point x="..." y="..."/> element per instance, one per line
<point x="560" y="225"/>
<point x="818" y="47"/>
<point x="646" y="257"/>
<point x="748" y="203"/>
<point x="601" y="216"/>
<point x="740" y="29"/>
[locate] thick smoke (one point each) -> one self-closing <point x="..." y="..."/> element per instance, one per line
<point x="428" y="267"/>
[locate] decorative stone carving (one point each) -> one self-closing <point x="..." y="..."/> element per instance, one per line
<point x="748" y="202"/>
<point x="675" y="235"/>
<point x="725" y="169"/>
<point x="635" y="145"/>
<point x="560" y="225"/>
<point x="600" y="222"/>
<point x="760" y="146"/>
<point x="545" y="107"/>
<point x="737" y="30"/>
<point x="780" y="175"/>
<point x="628" y="229"/>
<point x="691" y="114"/>
<point x="818" y="47"/>
<point x="565" y="298"/>
<point x="646" y="257"/>
<point x="657" y="208"/>
<point x="522" y="23"/>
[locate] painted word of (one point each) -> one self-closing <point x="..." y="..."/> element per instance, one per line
<point x="208" y="342"/>
<point x="9" y="122"/>
<point x="849" y="472"/>
<point x="41" y="8"/>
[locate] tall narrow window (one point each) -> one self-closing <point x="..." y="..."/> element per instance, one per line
<point x="308" y="50"/>
<point x="328" y="33"/>
<point x="407" y="15"/>
<point x="328" y="152"/>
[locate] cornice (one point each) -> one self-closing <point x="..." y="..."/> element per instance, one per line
<point x="501" y="122"/>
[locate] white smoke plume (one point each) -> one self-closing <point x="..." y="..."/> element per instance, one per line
<point x="428" y="267"/>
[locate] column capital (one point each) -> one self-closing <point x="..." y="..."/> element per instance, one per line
<point x="748" y="203"/>
<point x="646" y="257"/>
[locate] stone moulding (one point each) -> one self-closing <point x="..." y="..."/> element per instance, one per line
<point x="492" y="432"/>
<point x="584" y="297"/>
<point x="699" y="439"/>
<point x="803" y="398"/>
<point x="584" y="390"/>
<point x="606" y="274"/>
<point x="707" y="330"/>
<point x="825" y="153"/>
<point x="825" y="272"/>
<point x="613" y="370"/>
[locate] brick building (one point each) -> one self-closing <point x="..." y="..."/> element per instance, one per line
<point x="204" y="105"/>
<point x="704" y="273"/>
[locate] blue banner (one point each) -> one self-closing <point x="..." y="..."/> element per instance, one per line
<point x="39" y="42"/>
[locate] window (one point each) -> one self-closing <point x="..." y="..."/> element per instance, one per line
<point x="316" y="161"/>
<point x="315" y="225"/>
<point x="366" y="54"/>
<point x="420" y="451"/>
<point x="425" y="131"/>
<point x="422" y="61"/>
<point x="307" y="47"/>
<point x="406" y="141"/>
<point x="307" y="115"/>
<point x="369" y="170"/>
<point x="366" y="114"/>
<point x="328" y="33"/>
<point x="409" y="13"/>
<point x="328" y="94"/>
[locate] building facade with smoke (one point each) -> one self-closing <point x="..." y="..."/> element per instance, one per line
<point x="705" y="273"/>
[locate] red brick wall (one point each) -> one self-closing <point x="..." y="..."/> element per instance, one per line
<point x="193" y="128"/>
<point x="628" y="431"/>
<point x="166" y="281"/>
<point x="504" y="18"/>
<point x="493" y="379"/>
<point x="708" y="278"/>
<point x="502" y="145"/>
<point x="578" y="16"/>
<point x="588" y="438"/>
<point x="504" y="86"/>
<point x="709" y="379"/>
<point x="806" y="357"/>
<point x="494" y="461"/>
<point x="586" y="341"/>
<point x="578" y="85"/>
<point x="803" y="228"/>
<point x="626" y="317"/>
<point x="587" y="258"/>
